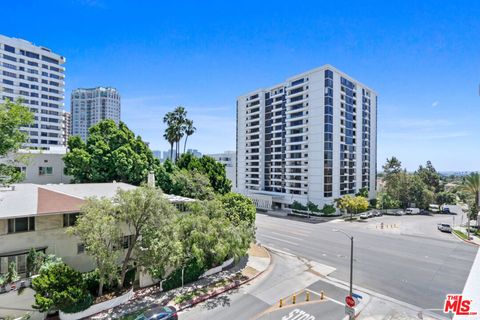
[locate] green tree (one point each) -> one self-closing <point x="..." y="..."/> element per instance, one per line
<point x="418" y="193"/>
<point x="148" y="216"/>
<point x="99" y="230"/>
<point x="177" y="125"/>
<point x="429" y="176"/>
<point x="471" y="185"/>
<point x="392" y="166"/>
<point x="112" y="152"/>
<point x="363" y="192"/>
<point x="239" y="208"/>
<point x="214" y="170"/>
<point x="209" y="236"/>
<point x="351" y="204"/>
<point x="13" y="115"/>
<point x="386" y="201"/>
<point x="189" y="130"/>
<point x="191" y="184"/>
<point x="446" y="197"/>
<point x="59" y="288"/>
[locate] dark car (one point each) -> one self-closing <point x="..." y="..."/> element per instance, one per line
<point x="159" y="313"/>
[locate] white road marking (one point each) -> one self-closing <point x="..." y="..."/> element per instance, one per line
<point x="278" y="239"/>
<point x="331" y="299"/>
<point x="284" y="235"/>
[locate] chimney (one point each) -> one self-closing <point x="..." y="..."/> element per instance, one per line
<point x="151" y="179"/>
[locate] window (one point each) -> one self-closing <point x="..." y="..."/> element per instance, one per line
<point x="42" y="171"/>
<point x="69" y="219"/>
<point x="21" y="224"/>
<point x="127" y="241"/>
<point x="9" y="48"/>
<point x="80" y="248"/>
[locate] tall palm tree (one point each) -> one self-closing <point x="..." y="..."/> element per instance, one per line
<point x="170" y="136"/>
<point x="180" y="116"/>
<point x="189" y="130"/>
<point x="472" y="186"/>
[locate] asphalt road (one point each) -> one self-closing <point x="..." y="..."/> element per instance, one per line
<point x="409" y="260"/>
<point x="258" y="299"/>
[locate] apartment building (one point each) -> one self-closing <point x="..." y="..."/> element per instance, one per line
<point x="90" y="106"/>
<point x="36" y="75"/>
<point x="67" y="127"/>
<point x="37" y="216"/>
<point x="229" y="159"/>
<point x="39" y="166"/>
<point x="310" y="138"/>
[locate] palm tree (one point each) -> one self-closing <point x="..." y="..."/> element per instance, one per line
<point x="180" y="116"/>
<point x="189" y="130"/>
<point x="472" y="186"/>
<point x="169" y="135"/>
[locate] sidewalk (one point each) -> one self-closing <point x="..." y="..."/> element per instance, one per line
<point x="247" y="269"/>
<point x="474" y="239"/>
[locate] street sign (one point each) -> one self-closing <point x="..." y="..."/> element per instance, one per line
<point x="350" y="301"/>
<point x="349" y="311"/>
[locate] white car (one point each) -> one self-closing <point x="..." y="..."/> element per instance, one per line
<point x="365" y="215"/>
<point x="444" y="227"/>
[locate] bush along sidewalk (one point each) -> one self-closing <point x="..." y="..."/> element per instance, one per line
<point x="258" y="257"/>
<point x="253" y="265"/>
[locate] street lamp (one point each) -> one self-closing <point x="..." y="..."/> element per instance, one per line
<point x="351" y="257"/>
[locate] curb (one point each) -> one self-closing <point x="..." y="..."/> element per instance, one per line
<point x="228" y="288"/>
<point x="466" y="241"/>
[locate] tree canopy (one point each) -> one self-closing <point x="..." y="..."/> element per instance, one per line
<point x="13" y="116"/>
<point x="214" y="170"/>
<point x="59" y="287"/>
<point x="111" y="152"/>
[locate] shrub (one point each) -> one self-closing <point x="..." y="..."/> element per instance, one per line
<point x="12" y="274"/>
<point x="59" y="287"/>
<point x="191" y="273"/>
<point x="312" y="207"/>
<point x="329" y="209"/>
<point x="298" y="206"/>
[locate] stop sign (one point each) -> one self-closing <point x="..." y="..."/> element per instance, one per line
<point x="350" y="301"/>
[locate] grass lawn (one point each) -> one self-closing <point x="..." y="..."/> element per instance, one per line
<point x="460" y="234"/>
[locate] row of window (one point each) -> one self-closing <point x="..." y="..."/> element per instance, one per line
<point x="29" y="54"/>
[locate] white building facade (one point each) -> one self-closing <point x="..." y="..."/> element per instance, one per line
<point x="36" y="75"/>
<point x="40" y="166"/>
<point x="90" y="106"/>
<point x="311" y="138"/>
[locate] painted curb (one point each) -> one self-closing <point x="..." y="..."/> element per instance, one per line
<point x="228" y="288"/>
<point x="466" y="241"/>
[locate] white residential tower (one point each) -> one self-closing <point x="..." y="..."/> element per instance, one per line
<point x="310" y="138"/>
<point x="36" y="75"/>
<point x="90" y="106"/>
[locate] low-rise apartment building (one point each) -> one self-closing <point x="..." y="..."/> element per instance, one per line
<point x="36" y="216"/>
<point x="40" y="166"/>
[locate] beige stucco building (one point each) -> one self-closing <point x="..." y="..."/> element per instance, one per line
<point x="37" y="216"/>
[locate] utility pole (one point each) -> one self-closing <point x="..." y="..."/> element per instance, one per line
<point x="351" y="262"/>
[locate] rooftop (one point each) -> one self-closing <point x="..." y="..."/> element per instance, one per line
<point x="27" y="199"/>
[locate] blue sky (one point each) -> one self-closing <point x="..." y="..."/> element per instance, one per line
<point x="422" y="57"/>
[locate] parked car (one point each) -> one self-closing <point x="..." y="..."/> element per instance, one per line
<point x="399" y="213"/>
<point x="377" y="213"/>
<point x="412" y="211"/>
<point x="159" y="313"/>
<point x="444" y="227"/>
<point x="446" y="210"/>
<point x="364" y="215"/>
